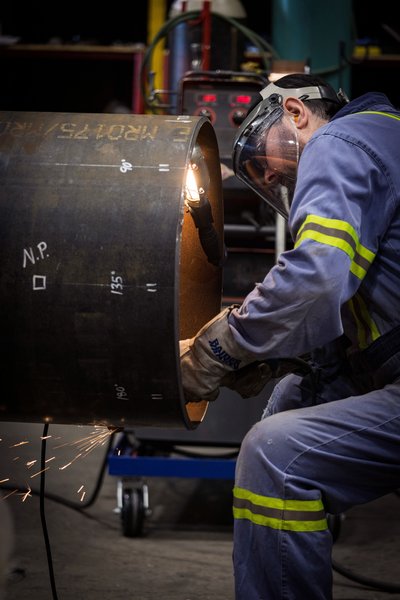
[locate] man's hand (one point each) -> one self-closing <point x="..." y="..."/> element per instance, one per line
<point x="251" y="380"/>
<point x="198" y="383"/>
<point x="208" y="357"/>
<point x="213" y="358"/>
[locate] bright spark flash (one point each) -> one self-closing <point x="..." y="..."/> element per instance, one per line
<point x="39" y="472"/>
<point x="65" y="466"/>
<point x="83" y="492"/>
<point x="90" y="442"/>
<point x="26" y="494"/>
<point x="70" y="463"/>
<point x="10" y="494"/>
<point x="97" y="437"/>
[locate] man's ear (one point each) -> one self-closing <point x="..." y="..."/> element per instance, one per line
<point x="297" y="111"/>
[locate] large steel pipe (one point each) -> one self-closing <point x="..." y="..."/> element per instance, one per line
<point x="102" y="271"/>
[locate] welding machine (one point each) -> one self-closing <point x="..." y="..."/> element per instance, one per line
<point x="224" y="97"/>
<point x="252" y="235"/>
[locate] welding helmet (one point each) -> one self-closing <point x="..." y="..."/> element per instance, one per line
<point x="266" y="148"/>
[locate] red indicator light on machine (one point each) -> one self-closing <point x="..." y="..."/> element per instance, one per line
<point x="243" y="99"/>
<point x="209" y="98"/>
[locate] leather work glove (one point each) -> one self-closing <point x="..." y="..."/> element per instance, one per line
<point x="251" y="380"/>
<point x="207" y="357"/>
<point x="212" y="358"/>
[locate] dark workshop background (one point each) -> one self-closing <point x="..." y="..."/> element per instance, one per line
<point x="185" y="549"/>
<point x="35" y="81"/>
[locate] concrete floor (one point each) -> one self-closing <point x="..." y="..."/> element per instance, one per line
<point x="186" y="546"/>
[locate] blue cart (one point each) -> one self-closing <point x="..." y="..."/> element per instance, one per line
<point x="158" y="452"/>
<point x="133" y="460"/>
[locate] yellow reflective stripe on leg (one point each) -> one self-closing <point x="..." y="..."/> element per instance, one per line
<point x="289" y="515"/>
<point x="340" y="234"/>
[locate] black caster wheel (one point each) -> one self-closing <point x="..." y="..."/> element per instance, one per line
<point x="133" y="512"/>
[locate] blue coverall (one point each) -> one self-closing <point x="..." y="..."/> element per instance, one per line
<point x="332" y="442"/>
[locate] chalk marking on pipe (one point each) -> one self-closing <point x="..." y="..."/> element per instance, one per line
<point x="132" y="166"/>
<point x="180" y="119"/>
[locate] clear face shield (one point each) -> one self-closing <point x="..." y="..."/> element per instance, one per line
<point x="266" y="153"/>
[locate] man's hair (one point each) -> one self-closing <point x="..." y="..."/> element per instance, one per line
<point x="325" y="108"/>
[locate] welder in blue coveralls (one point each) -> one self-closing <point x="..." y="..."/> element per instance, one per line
<point x="329" y="438"/>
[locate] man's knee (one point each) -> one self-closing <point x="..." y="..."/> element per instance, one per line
<point x="270" y="452"/>
<point x="286" y="395"/>
<point x="268" y="443"/>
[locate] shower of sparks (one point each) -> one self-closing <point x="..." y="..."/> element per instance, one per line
<point x="97" y="438"/>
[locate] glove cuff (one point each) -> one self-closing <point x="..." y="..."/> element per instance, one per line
<point x="216" y="345"/>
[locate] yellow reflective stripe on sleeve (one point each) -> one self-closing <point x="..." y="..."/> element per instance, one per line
<point x="361" y="333"/>
<point x="340" y="234"/>
<point x="289" y="515"/>
<point x="367" y="330"/>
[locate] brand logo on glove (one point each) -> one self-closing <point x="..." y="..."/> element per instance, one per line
<point x="223" y="356"/>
